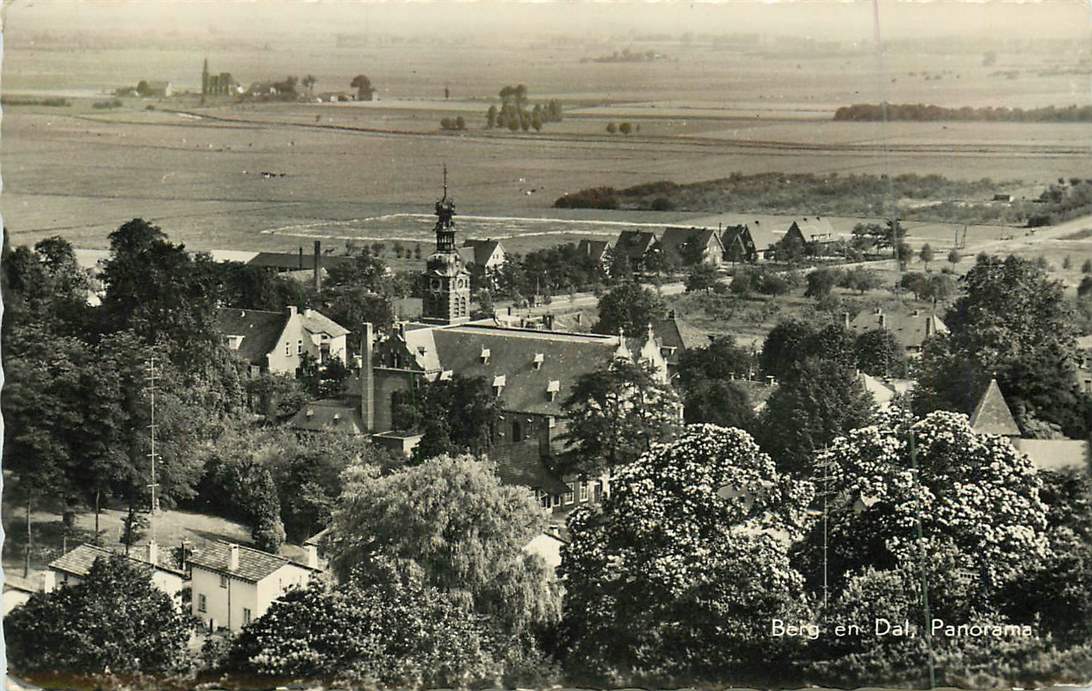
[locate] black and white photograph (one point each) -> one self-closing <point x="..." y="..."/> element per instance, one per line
<point x="546" y="344"/>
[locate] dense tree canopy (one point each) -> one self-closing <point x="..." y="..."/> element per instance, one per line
<point x="384" y="625"/>
<point x="629" y="308"/>
<point x="678" y="573"/>
<point x="819" y="401"/>
<point x="1010" y="322"/>
<point x="466" y="531"/>
<point x="614" y="415"/>
<point x="115" y="621"/>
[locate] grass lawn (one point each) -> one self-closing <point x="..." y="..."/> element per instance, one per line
<point x="51" y="537"/>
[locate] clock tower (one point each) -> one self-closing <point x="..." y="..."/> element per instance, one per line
<point x="446" y="287"/>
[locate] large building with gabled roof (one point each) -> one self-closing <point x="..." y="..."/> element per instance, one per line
<point x="690" y="246"/>
<point x="277" y="341"/>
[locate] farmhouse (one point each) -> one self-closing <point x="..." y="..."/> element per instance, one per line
<point x="155" y="89"/>
<point x="72" y="568"/>
<point x="234" y="585"/>
<point x="690" y="246"/>
<point x="635" y="246"/>
<point x="488" y="254"/>
<point x="277" y="342"/>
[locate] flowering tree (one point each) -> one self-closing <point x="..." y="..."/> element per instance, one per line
<point x="384" y="626"/>
<point x="678" y="573"/>
<point x="983" y="522"/>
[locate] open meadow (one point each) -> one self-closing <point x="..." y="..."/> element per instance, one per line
<point x="364" y="170"/>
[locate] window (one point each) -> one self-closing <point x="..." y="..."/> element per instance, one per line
<point x="557" y="500"/>
<point x="246" y="616"/>
<point x="545" y="501"/>
<point x="517" y="431"/>
<point x="583" y="491"/>
<point x="299" y="347"/>
<point x="202" y="604"/>
<point x="570" y="496"/>
<point x="223" y="581"/>
<point x="599" y="490"/>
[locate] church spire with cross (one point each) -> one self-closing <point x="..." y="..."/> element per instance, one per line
<point x="446" y="280"/>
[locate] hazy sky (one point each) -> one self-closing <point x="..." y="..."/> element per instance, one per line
<point x="262" y="19"/>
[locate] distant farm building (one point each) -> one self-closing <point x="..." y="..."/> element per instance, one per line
<point x="155" y="89"/>
<point x="596" y="250"/>
<point x="635" y="246"/>
<point x="690" y="246"/>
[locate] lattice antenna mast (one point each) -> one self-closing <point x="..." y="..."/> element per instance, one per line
<point x="152" y="378"/>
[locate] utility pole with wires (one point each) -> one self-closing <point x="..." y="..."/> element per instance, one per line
<point x="152" y="378"/>
<point x="823" y="466"/>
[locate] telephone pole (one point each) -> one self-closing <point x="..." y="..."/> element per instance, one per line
<point x="152" y="378"/>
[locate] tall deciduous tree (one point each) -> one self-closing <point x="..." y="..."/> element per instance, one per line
<point x="1011" y="322"/>
<point x="819" y="401"/>
<point x="116" y="620"/>
<point x="630" y="308"/>
<point x="679" y="572"/>
<point x="616" y="414"/>
<point x="457" y="415"/>
<point x="157" y="291"/>
<point x="452" y="518"/>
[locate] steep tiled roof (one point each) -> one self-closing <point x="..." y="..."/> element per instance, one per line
<point x="673" y="240"/>
<point x="254" y="564"/>
<point x="634" y="243"/>
<point x="259" y="329"/>
<point x="288" y="261"/>
<point x="595" y="249"/>
<point x="511" y="353"/>
<point x="673" y="332"/>
<point x="478" y="251"/>
<point x="992" y="414"/>
<point x="910" y="328"/>
<point x="78" y="561"/>
<point x="330" y="415"/>
<point x="317" y="322"/>
<point x="813" y="225"/>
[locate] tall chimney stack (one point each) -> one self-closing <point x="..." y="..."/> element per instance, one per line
<point x="233" y="558"/>
<point x="318" y="265"/>
<point x="367" y="381"/>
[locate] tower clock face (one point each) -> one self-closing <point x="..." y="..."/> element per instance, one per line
<point x="435" y="284"/>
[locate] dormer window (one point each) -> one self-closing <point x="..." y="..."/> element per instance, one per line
<point x="552" y="389"/>
<point x="499" y="383"/>
<point x="310" y="412"/>
<point x="485" y="354"/>
<point x="337" y="417"/>
<point x="446" y="375"/>
<point x="538" y="360"/>
<point x="421" y="350"/>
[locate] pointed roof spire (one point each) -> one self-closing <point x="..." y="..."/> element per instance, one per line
<point x="445" y="183"/>
<point x="992" y="415"/>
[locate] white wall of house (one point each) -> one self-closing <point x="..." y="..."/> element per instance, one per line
<point x="169" y="583"/>
<point x="295" y="340"/>
<point x="246" y="598"/>
<point x="242" y="595"/>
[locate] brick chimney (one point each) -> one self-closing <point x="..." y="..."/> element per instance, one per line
<point x="318" y="265"/>
<point x="367" y="380"/>
<point x="233" y="557"/>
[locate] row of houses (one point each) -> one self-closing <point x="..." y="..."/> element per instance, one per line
<point x="744" y="243"/>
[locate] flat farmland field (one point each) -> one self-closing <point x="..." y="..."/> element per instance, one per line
<point x="704" y="112"/>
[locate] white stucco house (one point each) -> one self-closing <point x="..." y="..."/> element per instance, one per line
<point x="72" y="568"/>
<point x="234" y="585"/>
<point x="276" y="341"/>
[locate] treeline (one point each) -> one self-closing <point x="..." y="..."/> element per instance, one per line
<point x="833" y="194"/>
<point x="514" y="114"/>
<point x="77" y="403"/>
<point x="31" y="101"/>
<point x="920" y="112"/>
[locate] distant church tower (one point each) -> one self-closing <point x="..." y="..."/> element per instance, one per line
<point x="446" y="280"/>
<point x="205" y="81"/>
